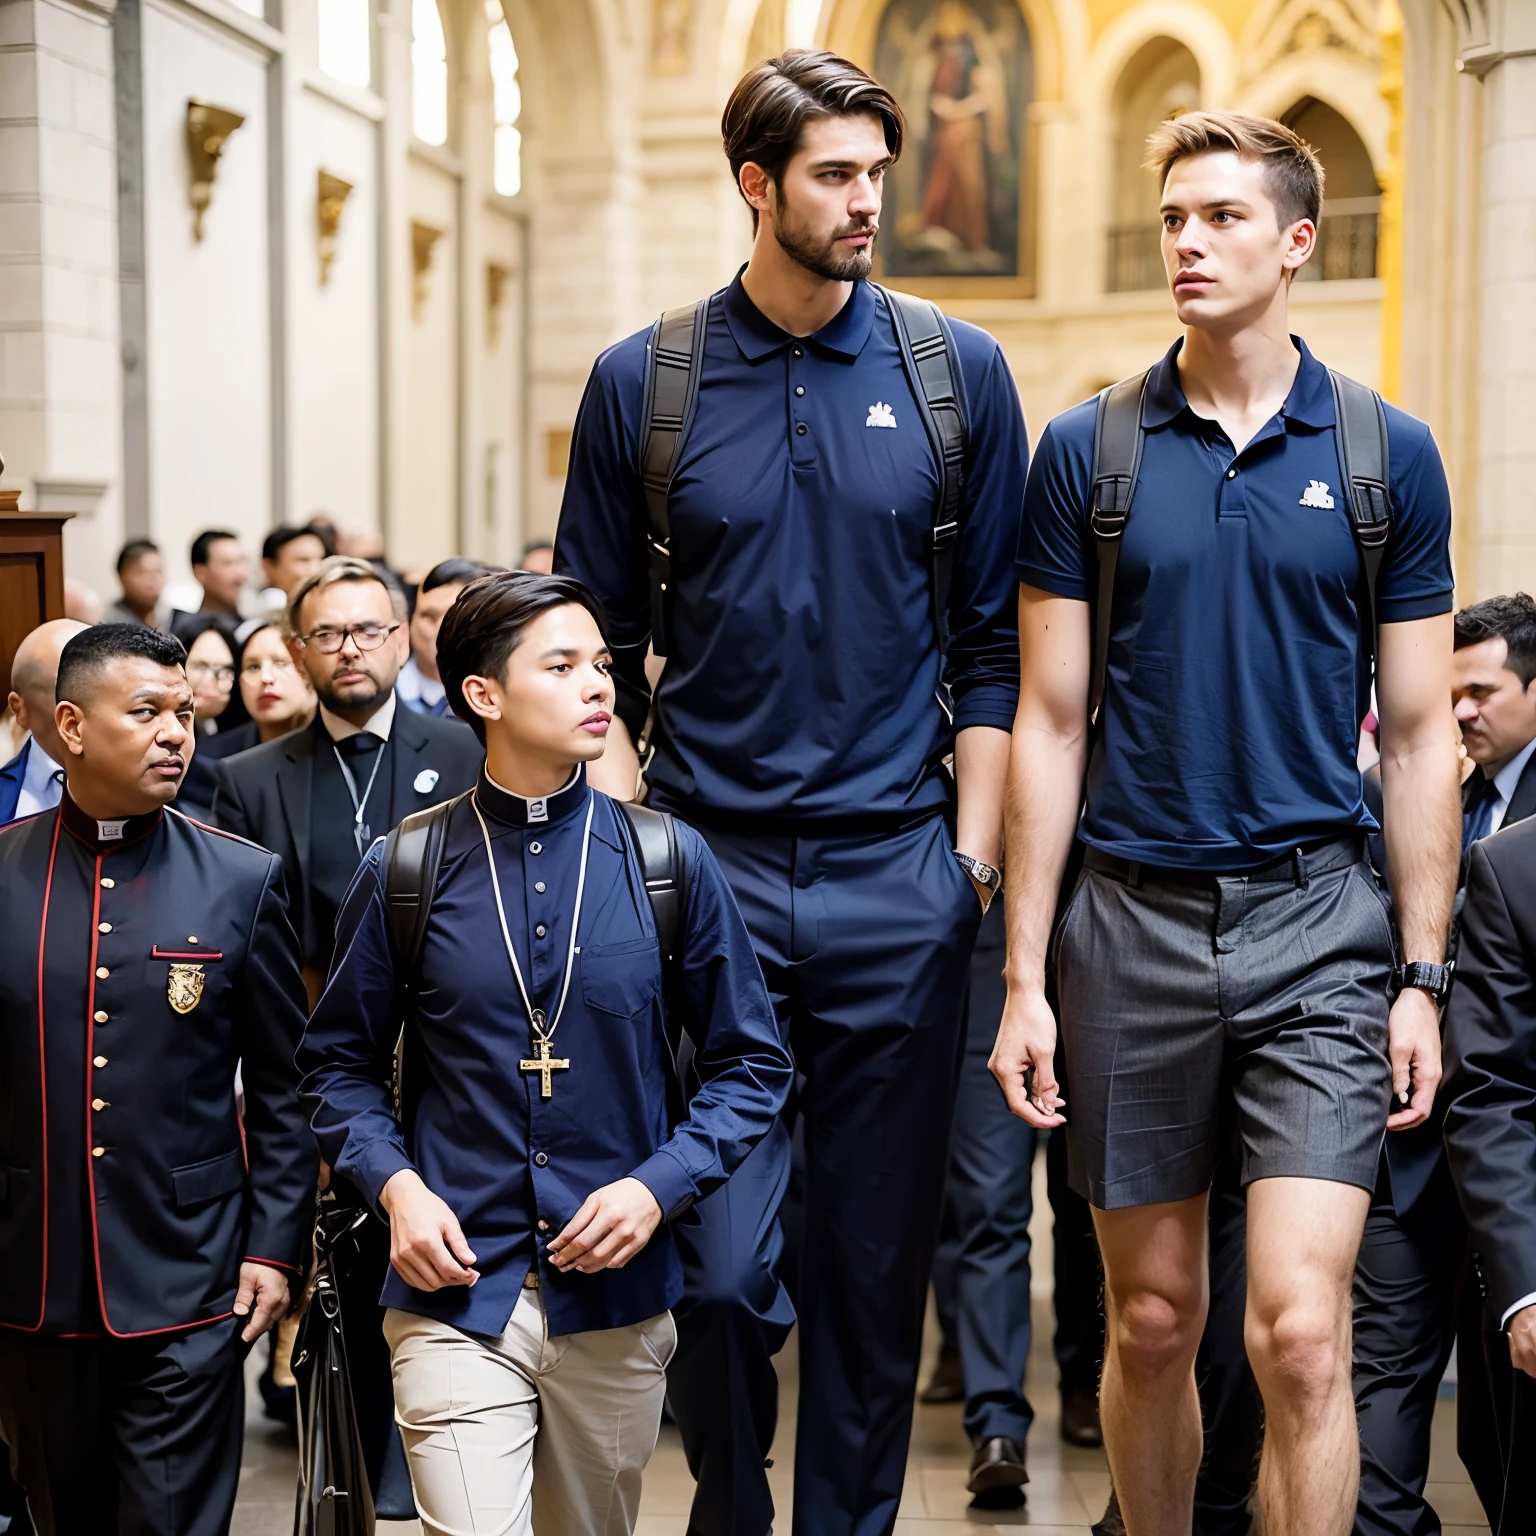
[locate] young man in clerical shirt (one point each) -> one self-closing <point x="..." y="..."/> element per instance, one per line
<point x="529" y="1194"/>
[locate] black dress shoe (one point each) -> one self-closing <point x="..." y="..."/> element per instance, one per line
<point x="1080" y="1417"/>
<point x="947" y="1384"/>
<point x="997" y="1474"/>
<point x="1112" y="1522"/>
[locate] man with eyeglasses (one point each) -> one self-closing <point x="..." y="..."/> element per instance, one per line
<point x="319" y="797"/>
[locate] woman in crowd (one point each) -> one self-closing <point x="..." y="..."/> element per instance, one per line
<point x="273" y="691"/>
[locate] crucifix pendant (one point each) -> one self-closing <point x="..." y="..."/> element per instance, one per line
<point x="545" y="1064"/>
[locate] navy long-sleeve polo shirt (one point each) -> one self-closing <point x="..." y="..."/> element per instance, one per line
<point x="804" y="667"/>
<point x="513" y="1165"/>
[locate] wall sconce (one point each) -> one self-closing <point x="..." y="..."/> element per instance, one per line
<point x="495" y="286"/>
<point x="332" y="193"/>
<point x="208" y="130"/>
<point x="423" y="238"/>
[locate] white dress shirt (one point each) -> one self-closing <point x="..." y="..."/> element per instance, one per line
<point x="1505" y="780"/>
<point x="40" y="790"/>
<point x="379" y="722"/>
<point x="417" y="689"/>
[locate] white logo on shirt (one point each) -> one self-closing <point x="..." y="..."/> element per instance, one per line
<point x="880" y="415"/>
<point x="110" y="831"/>
<point x="538" y="810"/>
<point x="1316" y="495"/>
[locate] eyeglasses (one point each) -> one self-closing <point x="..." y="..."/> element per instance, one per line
<point x="366" y="637"/>
<point x="277" y="663"/>
<point x="223" y="676"/>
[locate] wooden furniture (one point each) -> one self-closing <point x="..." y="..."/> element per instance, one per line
<point x="31" y="575"/>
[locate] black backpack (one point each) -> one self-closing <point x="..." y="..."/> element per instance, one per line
<point x="672" y="366"/>
<point x="1117" y="443"/>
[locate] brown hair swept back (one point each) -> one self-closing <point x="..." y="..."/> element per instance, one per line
<point x="1293" y="175"/>
<point x="327" y="573"/>
<point x="774" y="101"/>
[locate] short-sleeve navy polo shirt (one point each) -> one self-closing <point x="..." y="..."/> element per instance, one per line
<point x="803" y="677"/>
<point x="1238" y="675"/>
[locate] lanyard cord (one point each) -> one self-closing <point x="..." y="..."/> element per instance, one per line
<point x="535" y="1015"/>
<point x="359" y="806"/>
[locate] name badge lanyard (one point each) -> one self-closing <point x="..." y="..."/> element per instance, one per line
<point x="362" y="835"/>
<point x="543" y="1029"/>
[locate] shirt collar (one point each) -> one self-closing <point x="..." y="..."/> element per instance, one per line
<point x="1309" y="402"/>
<point x="378" y="724"/>
<point x="105" y="835"/>
<point x="1508" y="776"/>
<point x="39" y="770"/>
<point x="413" y="683"/>
<point x="758" y="337"/>
<point x="513" y="810"/>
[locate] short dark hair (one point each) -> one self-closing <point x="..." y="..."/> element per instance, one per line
<point x="486" y="623"/>
<point x="454" y="573"/>
<point x="1512" y="619"/>
<point x="534" y="544"/>
<point x="324" y="530"/>
<point x="205" y="542"/>
<point x="135" y="549"/>
<point x="286" y="533"/>
<point x="1293" y="175"/>
<point x="773" y="101"/>
<point x="93" y="648"/>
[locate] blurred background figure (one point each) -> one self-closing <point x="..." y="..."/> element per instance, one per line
<point x="418" y="684"/>
<point x="141" y="575"/>
<point x="221" y="570"/>
<point x="288" y="555"/>
<point x="33" y="780"/>
<point x="211" y="672"/>
<point x="275" y="693"/>
<point x="539" y="555"/>
<point x="81" y="602"/>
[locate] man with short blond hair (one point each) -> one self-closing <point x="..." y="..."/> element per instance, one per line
<point x="1225" y="936"/>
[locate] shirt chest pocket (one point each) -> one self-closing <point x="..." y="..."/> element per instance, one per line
<point x="621" y="979"/>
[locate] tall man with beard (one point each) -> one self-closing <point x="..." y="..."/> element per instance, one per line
<point x="801" y="725"/>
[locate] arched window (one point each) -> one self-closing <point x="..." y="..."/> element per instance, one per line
<point x="507" y="103"/>
<point x="343" y="38"/>
<point x="1346" y="233"/>
<point x="1160" y="81"/>
<point x="429" y="73"/>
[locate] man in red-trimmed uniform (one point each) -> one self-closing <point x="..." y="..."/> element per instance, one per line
<point x="147" y="1235"/>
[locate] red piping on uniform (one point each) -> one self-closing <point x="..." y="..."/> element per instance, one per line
<point x="90" y="1056"/>
<point x="156" y="953"/>
<point x="42" y="1067"/>
<point x="256" y="1258"/>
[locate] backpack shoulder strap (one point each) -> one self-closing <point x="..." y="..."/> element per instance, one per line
<point x="413" y="855"/>
<point x="672" y="359"/>
<point x="1117" y="443"/>
<point x="661" y="865"/>
<point x="933" y="371"/>
<point x="1365" y="457"/>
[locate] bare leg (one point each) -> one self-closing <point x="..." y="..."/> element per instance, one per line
<point x="1303" y="1235"/>
<point x="1155" y="1301"/>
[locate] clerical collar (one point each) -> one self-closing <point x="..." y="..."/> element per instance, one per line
<point x="378" y="723"/>
<point x="109" y="834"/>
<point x="512" y="810"/>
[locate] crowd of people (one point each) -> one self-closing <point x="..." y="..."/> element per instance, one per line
<point x="620" y="944"/>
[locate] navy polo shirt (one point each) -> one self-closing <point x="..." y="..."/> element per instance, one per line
<point x="804" y="674"/>
<point x="1238" y="670"/>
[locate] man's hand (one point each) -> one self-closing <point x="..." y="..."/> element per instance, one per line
<point x="612" y="1226"/>
<point x="263" y="1294"/>
<point x="1522" y="1340"/>
<point x="1026" y="1041"/>
<point x="426" y="1245"/>
<point x="1414" y="1049"/>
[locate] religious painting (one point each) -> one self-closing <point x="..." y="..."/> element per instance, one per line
<point x="963" y="72"/>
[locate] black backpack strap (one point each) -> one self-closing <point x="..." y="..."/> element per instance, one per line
<point x="1364" y="457"/>
<point x="933" y="371"/>
<point x="661" y="866"/>
<point x="672" y="365"/>
<point x="1117" y="441"/>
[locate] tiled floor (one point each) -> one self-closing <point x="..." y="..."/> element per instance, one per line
<point x="1067" y="1490"/>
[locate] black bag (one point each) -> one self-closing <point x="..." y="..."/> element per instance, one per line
<point x="334" y="1497"/>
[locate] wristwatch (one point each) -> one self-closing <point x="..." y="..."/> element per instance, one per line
<point x="1427" y="977"/>
<point x="983" y="874"/>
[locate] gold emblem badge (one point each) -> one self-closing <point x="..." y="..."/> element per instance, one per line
<point x="184" y="987"/>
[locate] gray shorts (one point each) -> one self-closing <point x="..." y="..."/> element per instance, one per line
<point x="1179" y="998"/>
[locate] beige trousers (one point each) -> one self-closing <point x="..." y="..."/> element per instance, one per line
<point x="527" y="1432"/>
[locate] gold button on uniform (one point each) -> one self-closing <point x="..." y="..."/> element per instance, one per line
<point x="102" y="973"/>
<point x="98" y="1103"/>
<point x="97" y="1151"/>
<point x="191" y="938"/>
<point x="101" y="1018"/>
<point x="103" y="927"/>
<point x="108" y="883"/>
<point x="98" y="1061"/>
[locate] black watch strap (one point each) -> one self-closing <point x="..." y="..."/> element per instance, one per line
<point x="1427" y="977"/>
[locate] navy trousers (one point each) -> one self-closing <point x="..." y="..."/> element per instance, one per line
<point x="865" y="944"/>
<point x="981" y="1275"/>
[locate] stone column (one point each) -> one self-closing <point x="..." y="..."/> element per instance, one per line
<point x="1499" y="46"/>
<point x="60" y="369"/>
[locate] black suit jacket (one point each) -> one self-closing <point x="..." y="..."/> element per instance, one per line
<point x="265" y="794"/>
<point x="1490" y="1047"/>
<point x="184" y="1190"/>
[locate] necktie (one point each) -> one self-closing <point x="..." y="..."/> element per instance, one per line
<point x="363" y="744"/>
<point x="1477" y="818"/>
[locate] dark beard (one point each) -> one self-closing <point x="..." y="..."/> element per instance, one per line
<point x="797" y="243"/>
